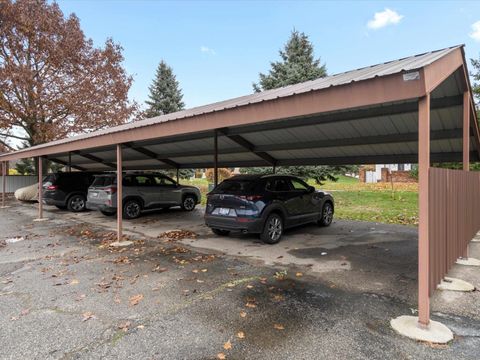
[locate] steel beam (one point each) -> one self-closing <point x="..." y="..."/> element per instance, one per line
<point x="348" y="115"/>
<point x="152" y="155"/>
<point x="94" y="158"/>
<point x="119" y="193"/>
<point x="423" y="211"/>
<point x="366" y="140"/>
<point x="215" y="158"/>
<point x="4" y="181"/>
<point x="250" y="147"/>
<point x="61" y="162"/>
<point x="466" y="131"/>
<point x="40" y="187"/>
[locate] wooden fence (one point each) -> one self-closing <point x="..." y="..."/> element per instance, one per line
<point x="454" y="218"/>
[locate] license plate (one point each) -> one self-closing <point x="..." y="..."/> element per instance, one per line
<point x="223" y="211"/>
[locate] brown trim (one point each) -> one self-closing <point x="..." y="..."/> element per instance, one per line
<point x="391" y="88"/>
<point x="438" y="71"/>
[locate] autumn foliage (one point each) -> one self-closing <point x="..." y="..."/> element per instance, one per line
<point x="53" y="81"/>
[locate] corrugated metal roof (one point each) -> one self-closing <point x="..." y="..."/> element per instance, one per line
<point x="384" y="69"/>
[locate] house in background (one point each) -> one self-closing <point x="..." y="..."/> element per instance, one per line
<point x="386" y="173"/>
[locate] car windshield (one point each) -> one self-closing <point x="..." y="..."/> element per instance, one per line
<point x="234" y="186"/>
<point x="103" y="181"/>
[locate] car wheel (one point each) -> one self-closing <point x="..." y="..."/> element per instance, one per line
<point x="189" y="202"/>
<point x="327" y="215"/>
<point x="108" y="213"/>
<point x="220" y="232"/>
<point x="76" y="203"/>
<point x="132" y="209"/>
<point x="273" y="229"/>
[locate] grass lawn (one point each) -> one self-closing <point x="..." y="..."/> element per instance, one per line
<point x="360" y="201"/>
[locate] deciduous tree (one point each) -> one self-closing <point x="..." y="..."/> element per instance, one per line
<point x="53" y="81"/>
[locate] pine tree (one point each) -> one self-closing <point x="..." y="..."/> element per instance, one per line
<point x="165" y="93"/>
<point x="297" y="65"/>
<point x="476" y="79"/>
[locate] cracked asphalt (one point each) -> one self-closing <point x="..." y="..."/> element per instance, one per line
<point x="319" y="294"/>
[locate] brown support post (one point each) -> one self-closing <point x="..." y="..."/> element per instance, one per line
<point x="466" y="143"/>
<point x="215" y="159"/>
<point x="69" y="161"/>
<point x="119" y="193"/>
<point x="40" y="188"/>
<point x="4" y="181"/>
<point x="274" y="169"/>
<point x="178" y="182"/>
<point x="423" y="230"/>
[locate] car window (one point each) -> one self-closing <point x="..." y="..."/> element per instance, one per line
<point x="163" y="181"/>
<point x="298" y="185"/>
<point x="277" y="185"/>
<point x="235" y="186"/>
<point x="143" y="180"/>
<point x="129" y="180"/>
<point x="103" y="181"/>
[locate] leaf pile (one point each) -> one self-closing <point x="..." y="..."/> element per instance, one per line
<point x="175" y="235"/>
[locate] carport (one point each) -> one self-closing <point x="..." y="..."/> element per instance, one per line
<point x="415" y="109"/>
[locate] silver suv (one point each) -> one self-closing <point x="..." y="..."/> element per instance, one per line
<point x="141" y="191"/>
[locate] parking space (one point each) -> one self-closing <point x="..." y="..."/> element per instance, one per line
<point x="314" y="292"/>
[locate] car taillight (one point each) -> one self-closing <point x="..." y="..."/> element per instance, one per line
<point x="111" y="190"/>
<point x="52" y="187"/>
<point x="250" y="197"/>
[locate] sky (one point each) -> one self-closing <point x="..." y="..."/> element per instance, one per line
<point x="217" y="48"/>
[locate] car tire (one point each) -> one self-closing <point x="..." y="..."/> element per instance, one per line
<point x="77" y="203"/>
<point x="221" y="232"/>
<point x="108" y="213"/>
<point x="189" y="202"/>
<point x="272" y="230"/>
<point x="61" y="207"/>
<point x="326" y="217"/>
<point x="132" y="209"/>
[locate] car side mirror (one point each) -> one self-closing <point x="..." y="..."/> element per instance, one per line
<point x="311" y="189"/>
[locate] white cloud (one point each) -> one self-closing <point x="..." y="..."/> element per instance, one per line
<point x="384" y="18"/>
<point x="475" y="34"/>
<point x="207" y="50"/>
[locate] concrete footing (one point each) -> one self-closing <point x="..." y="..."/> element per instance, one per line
<point x="435" y="333"/>
<point x="121" y="243"/>
<point x="4" y="207"/>
<point x="452" y="284"/>
<point x="468" y="261"/>
<point x="38" y="220"/>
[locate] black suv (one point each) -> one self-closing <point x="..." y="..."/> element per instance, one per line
<point x="67" y="190"/>
<point x="266" y="205"/>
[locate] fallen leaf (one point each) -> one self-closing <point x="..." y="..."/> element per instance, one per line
<point x="74" y="282"/>
<point x="140" y="326"/>
<point x="278" y="326"/>
<point x="298" y="274"/>
<point x="243" y="314"/>
<point x="134" y="300"/>
<point x="221" y="356"/>
<point x="249" y="286"/>
<point x="250" y="305"/>
<point x="204" y="270"/>
<point x="227" y="345"/>
<point x="241" y="335"/>
<point x="124" y="326"/>
<point x="88" y="315"/>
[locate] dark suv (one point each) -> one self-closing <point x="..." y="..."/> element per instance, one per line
<point x="67" y="190"/>
<point x="266" y="205"/>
